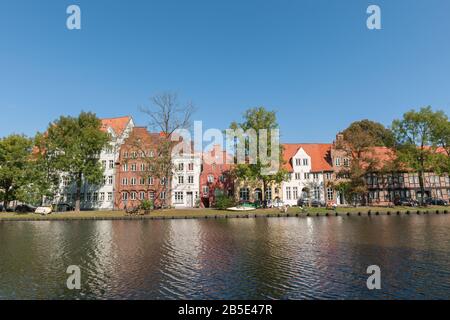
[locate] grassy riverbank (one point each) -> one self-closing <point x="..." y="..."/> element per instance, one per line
<point x="212" y="213"/>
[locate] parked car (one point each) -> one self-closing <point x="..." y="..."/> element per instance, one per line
<point x="303" y="202"/>
<point x="63" y="207"/>
<point x="436" y="202"/>
<point x="317" y="203"/>
<point x="24" y="208"/>
<point x="8" y="209"/>
<point x="279" y="204"/>
<point x="43" y="210"/>
<point x="407" y="202"/>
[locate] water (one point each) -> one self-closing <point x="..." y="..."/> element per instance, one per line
<point x="274" y="258"/>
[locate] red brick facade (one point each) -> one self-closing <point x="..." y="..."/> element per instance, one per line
<point x="134" y="181"/>
<point x="215" y="176"/>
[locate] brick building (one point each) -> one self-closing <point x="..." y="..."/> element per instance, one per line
<point x="215" y="177"/>
<point x="135" y="180"/>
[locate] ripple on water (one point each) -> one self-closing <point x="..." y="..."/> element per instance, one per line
<point x="283" y="258"/>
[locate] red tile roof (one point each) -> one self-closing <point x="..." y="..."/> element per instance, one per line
<point x="117" y="124"/>
<point x="319" y="153"/>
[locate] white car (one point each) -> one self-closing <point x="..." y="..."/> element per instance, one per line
<point x="43" y="210"/>
<point x="279" y="204"/>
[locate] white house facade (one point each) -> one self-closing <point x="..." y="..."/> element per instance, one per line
<point x="100" y="197"/>
<point x="185" y="188"/>
<point x="309" y="169"/>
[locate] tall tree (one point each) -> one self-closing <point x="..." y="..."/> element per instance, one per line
<point x="357" y="145"/>
<point x="441" y="138"/>
<point x="416" y="144"/>
<point x="258" y="120"/>
<point x="167" y="115"/>
<point x="46" y="176"/>
<point x="75" y="144"/>
<point x="15" y="152"/>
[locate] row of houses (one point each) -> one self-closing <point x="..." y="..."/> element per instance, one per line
<point x="313" y="170"/>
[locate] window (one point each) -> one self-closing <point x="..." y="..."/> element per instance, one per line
<point x="141" y="154"/>
<point x="66" y="181"/>
<point x="133" y="167"/>
<point x="306" y="175"/>
<point x="330" y="194"/>
<point x="191" y="179"/>
<point x="142" y="166"/>
<point x="181" y="166"/>
<point x="133" y="181"/>
<point x="102" y="196"/>
<point x="88" y="196"/>
<point x="190" y="166"/>
<point x="104" y="180"/>
<point x="297" y="162"/>
<point x="125" y="154"/>
<point x="305" y="162"/>
<point x="141" y="195"/>
<point x="205" y="190"/>
<point x="151" y="154"/>
<point x="298" y="176"/>
<point x="210" y="178"/>
<point x="316" y="193"/>
<point x="162" y="195"/>
<point x="124" y="181"/>
<point x="269" y="194"/>
<point x="328" y="176"/>
<point x="124" y="195"/>
<point x="134" y="155"/>
<point x="125" y="167"/>
<point x="150" y="181"/>
<point x="346" y="162"/>
<point x="110" y="195"/>
<point x="163" y="181"/>
<point x="110" y="180"/>
<point x="222" y="178"/>
<point x="288" y="193"/>
<point x="180" y="179"/>
<point x="315" y="176"/>
<point x="95" y="196"/>
<point x="133" y="195"/>
<point x="151" y="195"/>
<point x="141" y="181"/>
<point x="104" y="164"/>
<point x="244" y="194"/>
<point x="338" y="162"/>
<point x="295" y="193"/>
<point x="179" y="197"/>
<point x="111" y="164"/>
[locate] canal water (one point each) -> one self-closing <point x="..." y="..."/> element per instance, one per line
<point x="263" y="258"/>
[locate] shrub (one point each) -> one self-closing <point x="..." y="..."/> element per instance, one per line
<point x="147" y="205"/>
<point x="223" y="202"/>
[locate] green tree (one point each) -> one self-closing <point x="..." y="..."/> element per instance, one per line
<point x="74" y="144"/>
<point x="358" y="143"/>
<point x="45" y="172"/>
<point x="15" y="151"/>
<point x="416" y="142"/>
<point x="441" y="138"/>
<point x="255" y="170"/>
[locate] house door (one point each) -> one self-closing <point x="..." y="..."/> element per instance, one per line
<point x="189" y="199"/>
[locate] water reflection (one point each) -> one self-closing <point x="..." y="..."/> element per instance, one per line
<point x="274" y="258"/>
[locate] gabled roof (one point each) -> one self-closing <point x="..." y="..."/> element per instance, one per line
<point x="117" y="124"/>
<point x="320" y="154"/>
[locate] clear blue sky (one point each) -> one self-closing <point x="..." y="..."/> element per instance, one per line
<point x="314" y="62"/>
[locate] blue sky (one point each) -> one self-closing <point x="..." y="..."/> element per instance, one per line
<point x="314" y="62"/>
